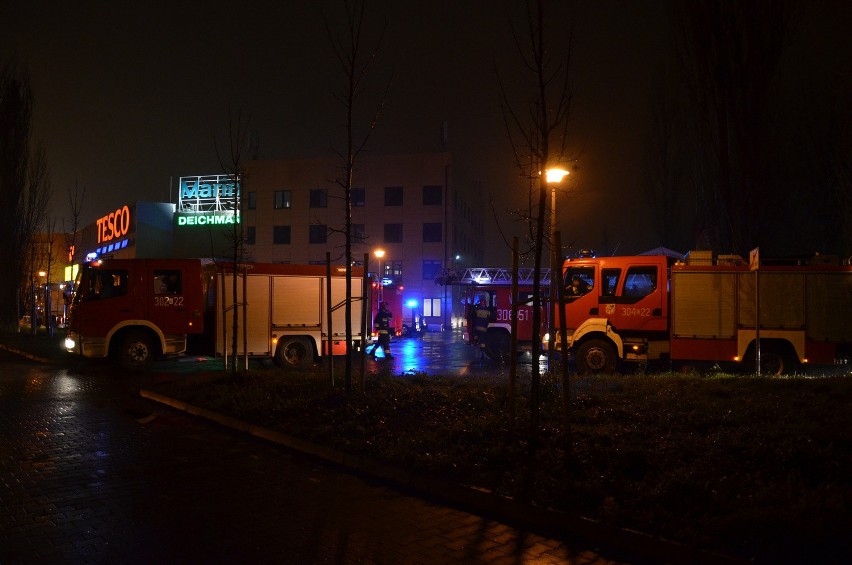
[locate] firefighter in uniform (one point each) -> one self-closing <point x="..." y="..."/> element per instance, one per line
<point x="382" y="324"/>
<point x="578" y="287"/>
<point x="481" y="316"/>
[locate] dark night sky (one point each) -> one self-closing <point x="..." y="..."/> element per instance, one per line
<point x="128" y="101"/>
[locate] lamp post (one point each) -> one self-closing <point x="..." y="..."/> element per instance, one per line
<point x="380" y="253"/>
<point x="553" y="177"/>
<point x="454" y="295"/>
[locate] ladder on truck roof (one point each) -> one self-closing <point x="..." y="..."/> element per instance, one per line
<point x="490" y="275"/>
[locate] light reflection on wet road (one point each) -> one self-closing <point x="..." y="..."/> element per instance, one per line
<point x="442" y="353"/>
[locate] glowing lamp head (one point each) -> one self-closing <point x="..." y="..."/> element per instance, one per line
<point x="555" y="175"/>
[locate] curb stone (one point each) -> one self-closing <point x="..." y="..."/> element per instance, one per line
<point x="29" y="356"/>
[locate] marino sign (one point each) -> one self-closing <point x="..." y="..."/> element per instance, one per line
<point x="208" y="200"/>
<point x="209" y="193"/>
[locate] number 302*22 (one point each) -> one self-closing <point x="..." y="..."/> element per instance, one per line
<point x="168" y="301"/>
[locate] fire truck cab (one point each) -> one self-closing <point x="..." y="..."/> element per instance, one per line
<point x="135" y="309"/>
<point x="615" y="308"/>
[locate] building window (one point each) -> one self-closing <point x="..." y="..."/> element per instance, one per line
<point x="251" y="234"/>
<point x="359" y="197"/>
<point x="392" y="269"/>
<point x="317" y="233"/>
<point x="432" y="232"/>
<point x="252" y="201"/>
<point x="432" y="195"/>
<point x="393" y="196"/>
<point x="282" y="199"/>
<point x="393" y="233"/>
<point x="281" y="234"/>
<point x="358" y="233"/>
<point x="431" y="269"/>
<point x="431" y="306"/>
<point x="319" y="198"/>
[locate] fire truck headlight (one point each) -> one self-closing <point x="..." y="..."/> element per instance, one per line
<point x="69" y="343"/>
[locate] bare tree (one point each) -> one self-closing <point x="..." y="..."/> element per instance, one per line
<point x="76" y="197"/>
<point x="232" y="165"/>
<point x="665" y="162"/>
<point x="538" y="135"/>
<point x="50" y="259"/>
<point x="729" y="54"/>
<point x="354" y="62"/>
<point x="24" y="188"/>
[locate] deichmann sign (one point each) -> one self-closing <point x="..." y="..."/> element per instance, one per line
<point x="113" y="225"/>
<point x="208" y="193"/>
<point x="208" y="219"/>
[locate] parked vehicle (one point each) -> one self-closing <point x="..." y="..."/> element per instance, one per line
<point x="137" y="309"/>
<point x="648" y="308"/>
<point x="494" y="286"/>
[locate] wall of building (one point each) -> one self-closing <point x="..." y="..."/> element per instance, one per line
<point x="375" y="176"/>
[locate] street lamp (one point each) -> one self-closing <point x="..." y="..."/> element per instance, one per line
<point x="553" y="177"/>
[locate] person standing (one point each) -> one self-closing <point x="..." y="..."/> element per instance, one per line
<point x="481" y="317"/>
<point x="382" y="323"/>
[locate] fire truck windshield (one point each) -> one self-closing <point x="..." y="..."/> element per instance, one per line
<point x="97" y="284"/>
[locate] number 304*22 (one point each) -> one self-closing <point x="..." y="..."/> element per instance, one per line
<point x="640" y="312"/>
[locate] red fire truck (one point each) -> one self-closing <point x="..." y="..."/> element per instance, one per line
<point x="392" y="294"/>
<point x="647" y="308"/>
<point x="494" y="285"/>
<point x="136" y="309"/>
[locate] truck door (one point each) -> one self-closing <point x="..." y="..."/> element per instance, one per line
<point x="172" y="293"/>
<point x="639" y="300"/>
<point x="105" y="299"/>
<point x="581" y="296"/>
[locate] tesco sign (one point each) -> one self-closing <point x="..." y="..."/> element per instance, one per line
<point x="113" y="225"/>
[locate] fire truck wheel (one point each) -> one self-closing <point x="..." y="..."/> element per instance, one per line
<point x="773" y="361"/>
<point x="295" y="352"/>
<point x="595" y="356"/>
<point x="136" y="352"/>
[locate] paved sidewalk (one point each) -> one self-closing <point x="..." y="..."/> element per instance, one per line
<point x="92" y="473"/>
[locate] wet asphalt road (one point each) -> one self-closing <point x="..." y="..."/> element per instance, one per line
<point x="445" y="353"/>
<point x="92" y="473"/>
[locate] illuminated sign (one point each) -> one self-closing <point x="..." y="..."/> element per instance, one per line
<point x="208" y="219"/>
<point x="113" y="225"/>
<point x="208" y="193"/>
